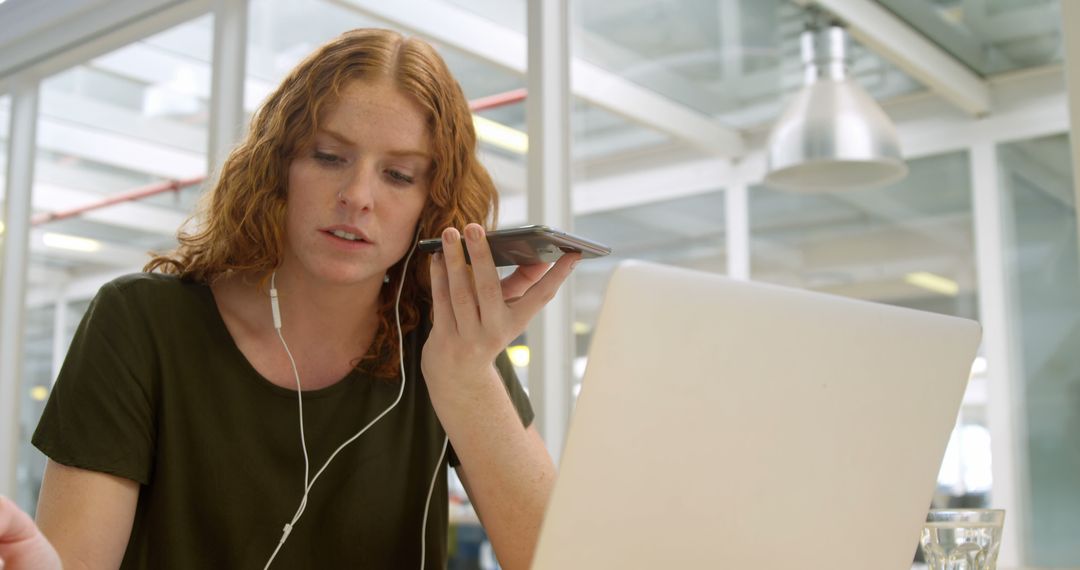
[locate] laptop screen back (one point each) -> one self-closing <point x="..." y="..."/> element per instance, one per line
<point x="727" y="424"/>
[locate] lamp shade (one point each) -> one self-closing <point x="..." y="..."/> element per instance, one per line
<point x="833" y="135"/>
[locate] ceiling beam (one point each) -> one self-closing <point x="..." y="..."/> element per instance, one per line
<point x="84" y="30"/>
<point x="956" y="39"/>
<point x="634" y="188"/>
<point x="460" y="29"/>
<point x="118" y="150"/>
<point x="65" y="108"/>
<point x="892" y="38"/>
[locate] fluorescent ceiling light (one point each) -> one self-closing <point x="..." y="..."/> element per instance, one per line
<point x="500" y="135"/>
<point x="979" y="366"/>
<point x="519" y="355"/>
<point x="932" y="282"/>
<point x="72" y="243"/>
<point x="38" y="393"/>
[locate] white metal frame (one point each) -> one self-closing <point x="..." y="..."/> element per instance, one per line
<point x="548" y="190"/>
<point x="1070" y="28"/>
<point x="737" y="225"/>
<point x="20" y="178"/>
<point x="64" y="25"/>
<point x="227" y="86"/>
<point x="1005" y="404"/>
<point x="108" y="40"/>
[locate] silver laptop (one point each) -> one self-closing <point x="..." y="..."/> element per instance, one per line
<point x="735" y="425"/>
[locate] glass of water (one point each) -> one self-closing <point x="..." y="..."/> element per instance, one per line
<point x="962" y="539"/>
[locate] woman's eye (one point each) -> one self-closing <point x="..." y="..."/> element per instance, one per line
<point x="327" y="158"/>
<point x="400" y="177"/>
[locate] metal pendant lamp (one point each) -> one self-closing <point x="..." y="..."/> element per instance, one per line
<point x="833" y="136"/>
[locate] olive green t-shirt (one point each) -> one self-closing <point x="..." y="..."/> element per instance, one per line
<point x="155" y="390"/>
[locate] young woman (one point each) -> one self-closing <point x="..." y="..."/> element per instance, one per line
<point x="200" y="401"/>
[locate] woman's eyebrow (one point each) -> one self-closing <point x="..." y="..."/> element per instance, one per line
<point x="336" y="135"/>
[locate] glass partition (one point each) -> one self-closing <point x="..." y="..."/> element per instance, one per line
<point x="1041" y="241"/>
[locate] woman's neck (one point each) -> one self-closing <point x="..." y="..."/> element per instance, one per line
<point x="335" y="315"/>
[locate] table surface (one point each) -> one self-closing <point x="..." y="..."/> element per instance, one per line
<point x="923" y="567"/>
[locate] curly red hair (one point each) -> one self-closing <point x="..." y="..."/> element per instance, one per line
<point x="242" y="219"/>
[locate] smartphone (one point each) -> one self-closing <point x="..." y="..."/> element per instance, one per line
<point x="528" y="245"/>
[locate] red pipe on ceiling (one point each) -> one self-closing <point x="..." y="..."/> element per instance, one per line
<point x="118" y="198"/>
<point x="498" y="100"/>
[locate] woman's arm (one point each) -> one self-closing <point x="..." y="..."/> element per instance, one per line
<point x="505" y="467"/>
<point x="86" y="515"/>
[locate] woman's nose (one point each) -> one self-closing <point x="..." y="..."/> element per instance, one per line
<point x="359" y="192"/>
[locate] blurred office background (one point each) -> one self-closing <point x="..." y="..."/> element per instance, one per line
<point x="114" y="113"/>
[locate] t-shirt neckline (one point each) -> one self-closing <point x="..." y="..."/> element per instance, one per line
<point x="254" y="375"/>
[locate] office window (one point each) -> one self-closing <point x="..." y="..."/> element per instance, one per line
<point x="910" y="244"/>
<point x="132" y="119"/>
<point x="1041" y="240"/>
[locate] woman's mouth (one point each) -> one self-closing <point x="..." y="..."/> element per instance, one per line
<point x="346" y="235"/>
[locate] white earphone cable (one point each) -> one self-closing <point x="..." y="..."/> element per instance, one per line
<point x="300" y="404"/>
<point x="427" y="503"/>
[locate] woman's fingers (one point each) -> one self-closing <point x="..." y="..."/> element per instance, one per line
<point x="518" y="282"/>
<point x="442" y="312"/>
<point x="489" y="291"/>
<point x="459" y="277"/>
<point x="526" y="307"/>
<point x="470" y="300"/>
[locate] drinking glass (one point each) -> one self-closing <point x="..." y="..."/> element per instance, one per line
<point x="962" y="539"/>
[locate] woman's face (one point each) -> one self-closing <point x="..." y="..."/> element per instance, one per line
<point x="356" y="193"/>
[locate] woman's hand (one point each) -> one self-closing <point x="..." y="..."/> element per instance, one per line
<point x="475" y="314"/>
<point x="22" y="546"/>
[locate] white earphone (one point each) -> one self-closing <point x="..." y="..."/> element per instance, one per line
<point x="308" y="484"/>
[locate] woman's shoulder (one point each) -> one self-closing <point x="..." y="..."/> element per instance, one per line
<point x="151" y="283"/>
<point x="153" y="292"/>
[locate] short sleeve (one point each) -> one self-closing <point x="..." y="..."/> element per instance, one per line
<point x="517" y="396"/>
<point x="100" y="414"/>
